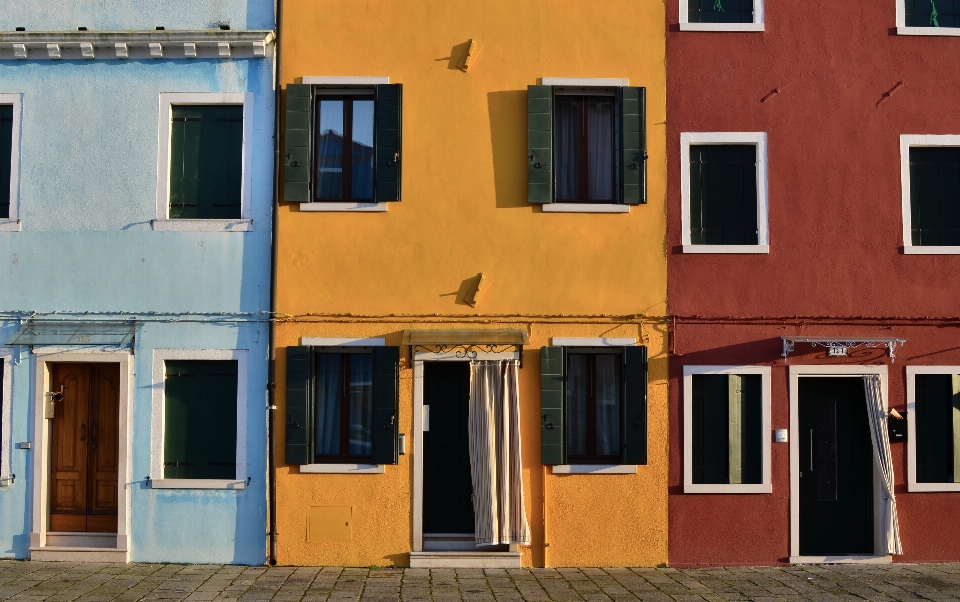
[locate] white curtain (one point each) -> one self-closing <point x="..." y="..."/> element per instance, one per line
<point x="883" y="461"/>
<point x="494" y="423"/>
<point x="328" y="404"/>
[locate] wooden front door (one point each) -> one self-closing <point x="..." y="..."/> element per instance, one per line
<point x="85" y="446"/>
<point x="447" y="486"/>
<point x="836" y="468"/>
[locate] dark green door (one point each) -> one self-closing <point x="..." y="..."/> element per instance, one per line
<point x="836" y="468"/>
<point x="447" y="488"/>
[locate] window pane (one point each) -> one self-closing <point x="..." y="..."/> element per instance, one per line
<point x="361" y="177"/>
<point x="723" y="194"/>
<point x="710" y="429"/>
<point x="6" y="157"/>
<point x="935" y="195"/>
<point x="200" y="419"/>
<point x="566" y="147"/>
<point x="328" y="403"/>
<point x="599" y="126"/>
<point x="577" y="366"/>
<point x="608" y="404"/>
<point x="361" y="404"/>
<point x="937" y="406"/>
<point x="330" y="150"/>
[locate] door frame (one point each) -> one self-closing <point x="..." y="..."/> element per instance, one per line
<point x="40" y="470"/>
<point x="795" y="372"/>
<point x="419" y="357"/>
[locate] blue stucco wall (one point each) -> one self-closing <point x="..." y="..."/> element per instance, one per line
<point x="88" y="193"/>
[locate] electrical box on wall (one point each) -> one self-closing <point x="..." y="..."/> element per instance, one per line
<point x="781" y="436"/>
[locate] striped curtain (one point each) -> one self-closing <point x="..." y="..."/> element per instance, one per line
<point x="883" y="461"/>
<point x="494" y="423"/>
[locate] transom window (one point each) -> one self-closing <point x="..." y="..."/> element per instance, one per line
<point x="594" y="398"/>
<point x="344" y="407"/>
<point x="344" y="147"/>
<point x="584" y="148"/>
<point x="206" y="161"/>
<point x="720" y="11"/>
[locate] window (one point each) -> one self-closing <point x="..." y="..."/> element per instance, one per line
<point x="928" y="17"/>
<point x="342" y="144"/>
<point x="721" y="15"/>
<point x="933" y="423"/>
<point x="726" y="429"/>
<point x="200" y="419"/>
<point x="10" y="109"/>
<point x="344" y="412"/>
<point x="342" y="405"/>
<point x="930" y="170"/>
<point x="723" y="189"/>
<point x="586" y="144"/>
<point x="205" y="157"/>
<point x="593" y="405"/>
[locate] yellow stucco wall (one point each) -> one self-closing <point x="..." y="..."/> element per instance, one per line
<point x="464" y="211"/>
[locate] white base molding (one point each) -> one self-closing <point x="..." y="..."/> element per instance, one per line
<point x="78" y="539"/>
<point x="76" y="554"/>
<point x="464" y="560"/>
<point x="882" y="559"/>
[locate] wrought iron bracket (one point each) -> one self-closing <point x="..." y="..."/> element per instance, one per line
<point x="837" y="346"/>
<point x="468" y="351"/>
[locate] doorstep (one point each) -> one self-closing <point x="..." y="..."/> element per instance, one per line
<point x="80" y="547"/>
<point x="464" y="560"/>
<point x="840" y="559"/>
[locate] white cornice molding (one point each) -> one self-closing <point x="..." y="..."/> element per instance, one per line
<point x="79" y="45"/>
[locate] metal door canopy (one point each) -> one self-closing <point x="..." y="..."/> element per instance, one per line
<point x="837" y="346"/>
<point x="75" y="332"/>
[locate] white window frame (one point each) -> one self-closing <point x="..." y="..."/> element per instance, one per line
<point x="903" y="30"/>
<point x="359" y="81"/>
<point x="912" y="484"/>
<point x="333" y="342"/>
<point x="908" y="141"/>
<point x="757" y="24"/>
<point x="758" y="139"/>
<point x="163" y="223"/>
<point x="585" y="82"/>
<point x="6" y="414"/>
<point x="160" y="357"/>
<point x="689" y="486"/>
<point x="12" y="223"/>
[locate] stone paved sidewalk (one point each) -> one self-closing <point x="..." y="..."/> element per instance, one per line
<point x="102" y="582"/>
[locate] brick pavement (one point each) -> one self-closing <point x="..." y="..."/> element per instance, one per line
<point x="62" y="582"/>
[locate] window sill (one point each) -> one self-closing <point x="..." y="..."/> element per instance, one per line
<point x="585" y="208"/>
<point x="928" y="31"/>
<point x="932" y="487"/>
<point x="701" y="488"/>
<point x="9" y="225"/>
<point x="202" y="225"/>
<point x="931" y="250"/>
<point x="341" y="469"/>
<point x="721" y="26"/>
<point x="752" y="249"/>
<point x="197" y="484"/>
<point x="345" y="207"/>
<point x="595" y="469"/>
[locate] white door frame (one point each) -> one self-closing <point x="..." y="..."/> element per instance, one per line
<point x="41" y="438"/>
<point x="831" y="371"/>
<point x="418" y="358"/>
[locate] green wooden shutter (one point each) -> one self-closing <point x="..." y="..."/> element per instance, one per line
<point x="206" y="161"/>
<point x="633" y="145"/>
<point x="635" y="371"/>
<point x="176" y="389"/>
<point x="300" y="393"/>
<point x="553" y="449"/>
<point x="734" y="431"/>
<point x="710" y="434"/>
<point x="184" y="162"/>
<point x="540" y="144"/>
<point x="386" y="405"/>
<point x="6" y="157"/>
<point x="297" y="144"/>
<point x="387" y="142"/>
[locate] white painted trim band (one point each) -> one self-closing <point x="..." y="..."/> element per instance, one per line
<point x="594" y="469"/>
<point x="202" y="225"/>
<point x="197" y="484"/>
<point x="595" y="82"/>
<point x="928" y="31"/>
<point x="731" y="249"/>
<point x="362" y="80"/>
<point x="341" y="469"/>
<point x="721" y="27"/>
<point x="585" y="208"/>
<point x="593" y="342"/>
<point x="347" y="207"/>
<point x="343" y="341"/>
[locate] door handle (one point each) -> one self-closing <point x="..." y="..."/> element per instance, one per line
<point x="94" y="435"/>
<point x="83" y="432"/>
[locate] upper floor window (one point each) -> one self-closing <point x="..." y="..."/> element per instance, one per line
<point x="206" y="146"/>
<point x="6" y="156"/>
<point x="10" y="111"/>
<point x="586" y="143"/>
<point x="721" y="15"/>
<point x="931" y="13"/>
<point x="723" y="192"/>
<point x="342" y="145"/>
<point x="930" y="170"/>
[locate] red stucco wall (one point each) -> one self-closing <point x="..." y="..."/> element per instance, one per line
<point x="835" y="239"/>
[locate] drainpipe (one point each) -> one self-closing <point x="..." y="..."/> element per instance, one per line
<point x="271" y="369"/>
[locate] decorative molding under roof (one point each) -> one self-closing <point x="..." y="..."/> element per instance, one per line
<point x="84" y="45"/>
